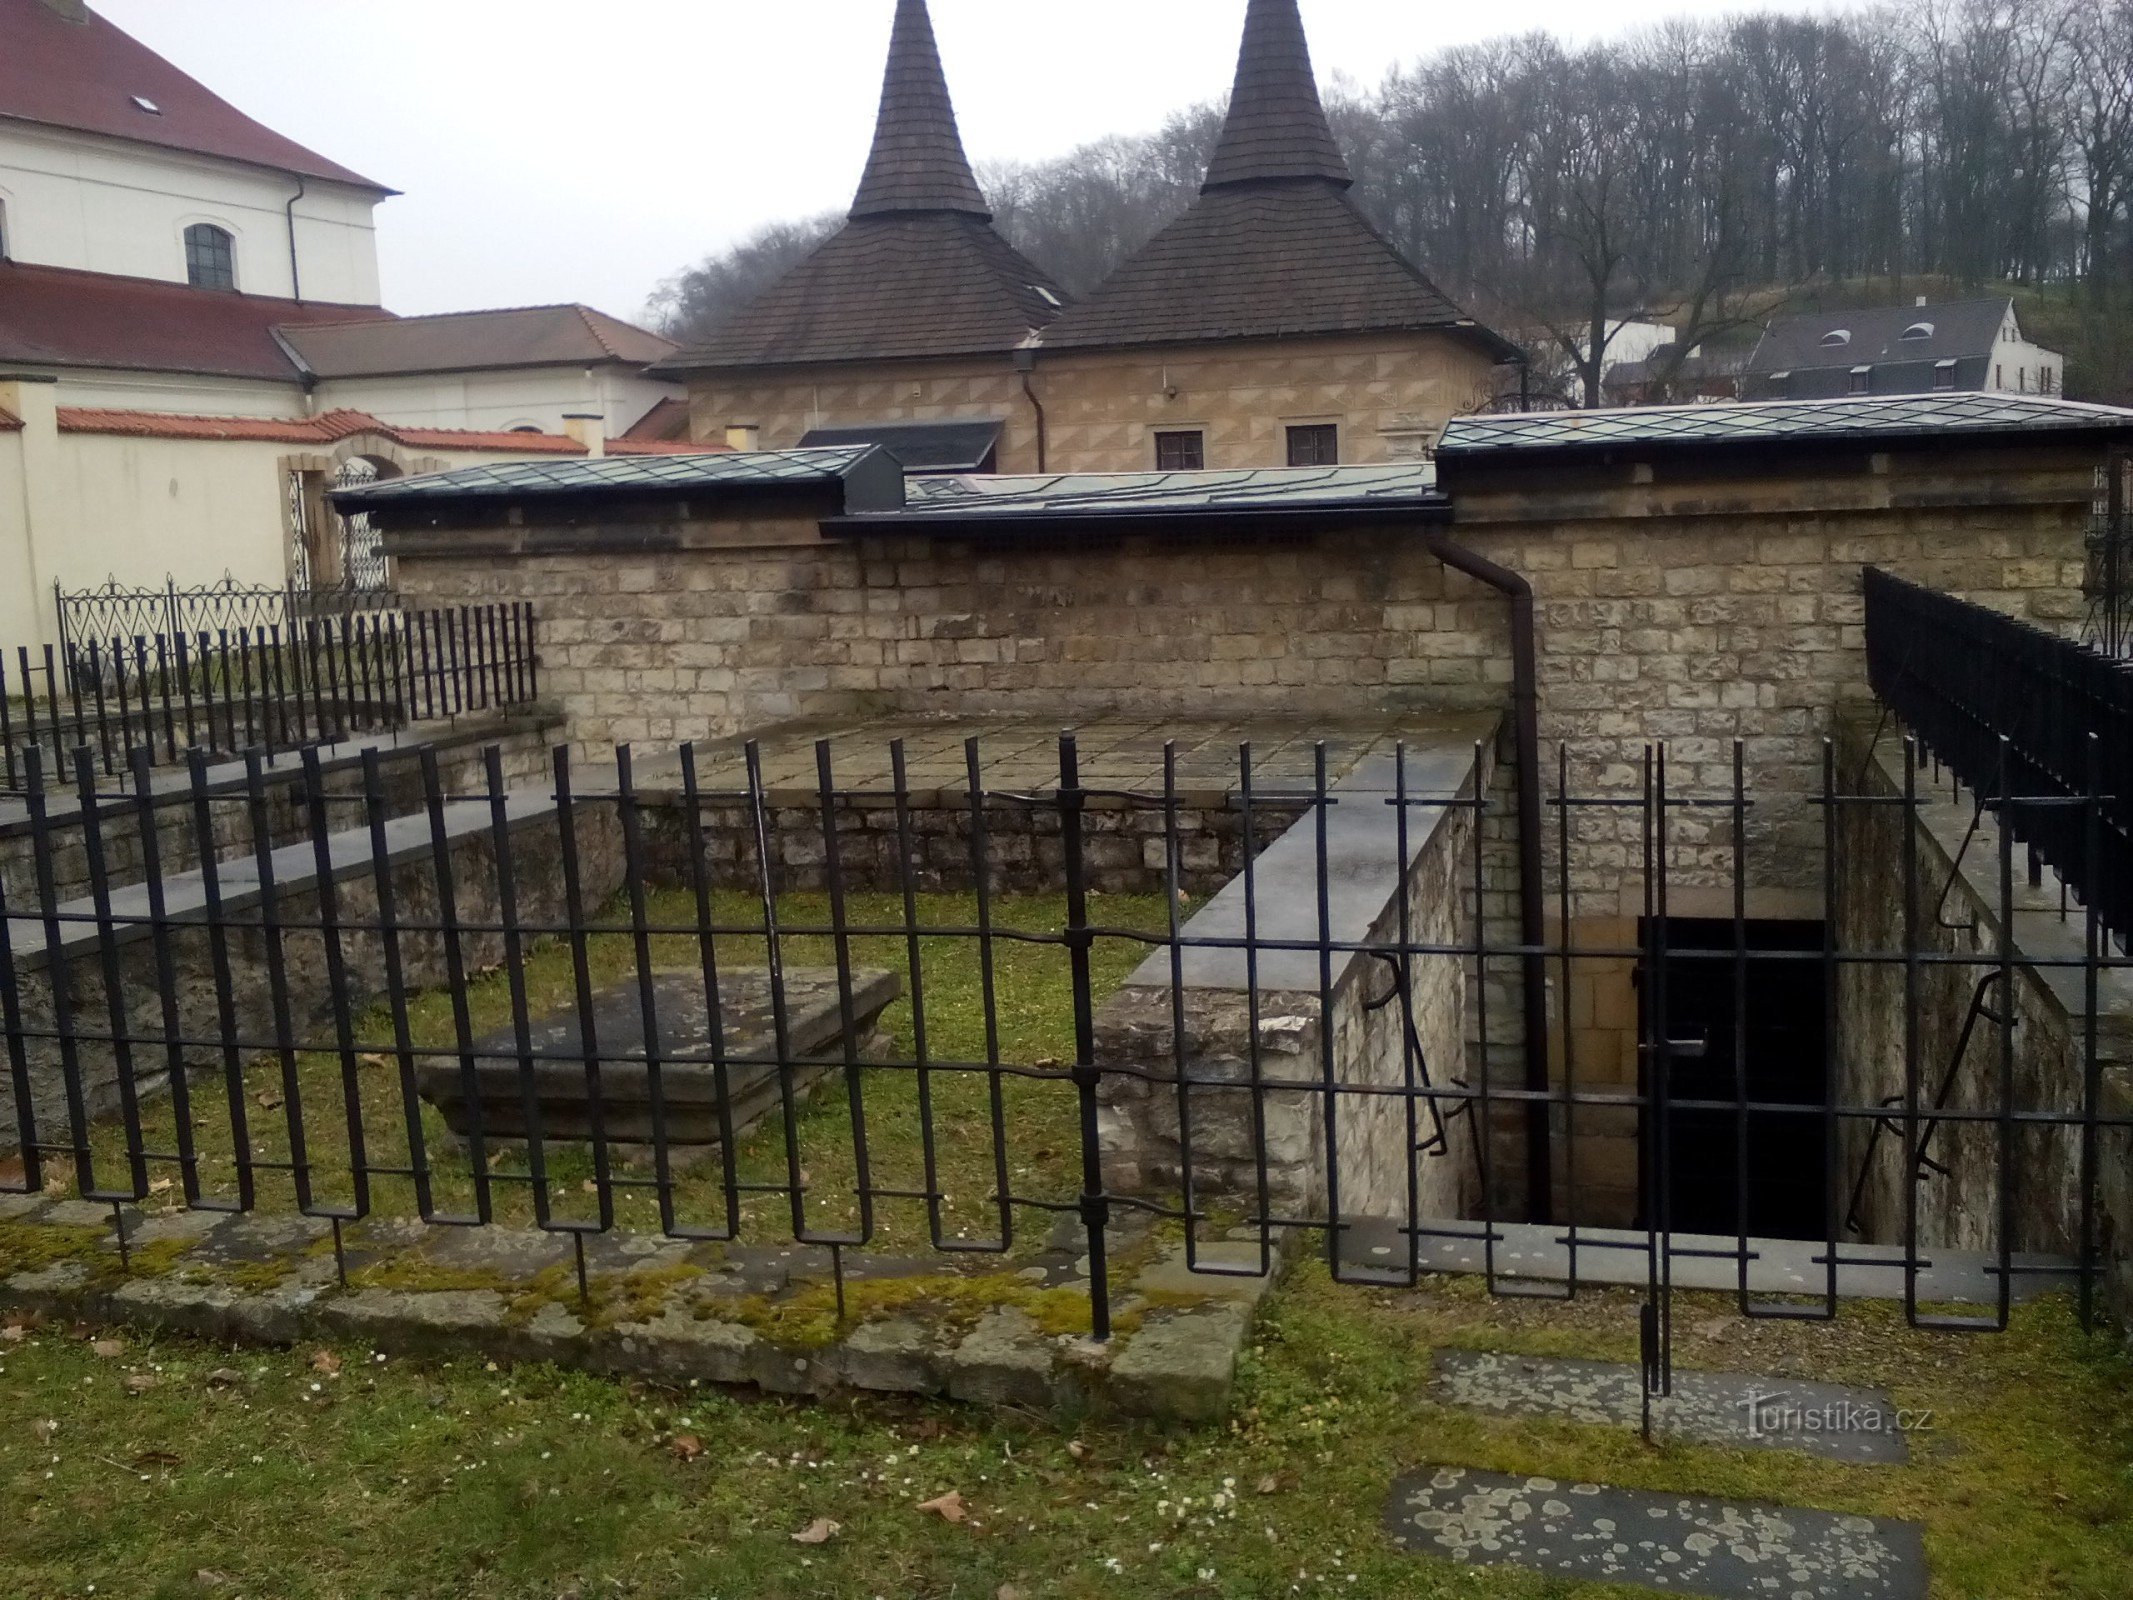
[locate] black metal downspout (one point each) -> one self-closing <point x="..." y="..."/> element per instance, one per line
<point x="296" y="276"/>
<point x="1532" y="900"/>
<point x="1026" y="364"/>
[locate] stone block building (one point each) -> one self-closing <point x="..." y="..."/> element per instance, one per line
<point x="1271" y="325"/>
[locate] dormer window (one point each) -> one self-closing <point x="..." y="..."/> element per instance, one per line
<point x="1919" y="330"/>
<point x="141" y="102"/>
<point x="1836" y="338"/>
<point x="210" y="257"/>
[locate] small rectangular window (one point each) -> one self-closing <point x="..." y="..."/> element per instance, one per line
<point x="1944" y="375"/>
<point x="1318" y="445"/>
<point x="1184" y="450"/>
<point x="1862" y="380"/>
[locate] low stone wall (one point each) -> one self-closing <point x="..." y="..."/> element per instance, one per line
<point x="460" y="743"/>
<point x="82" y="993"/>
<point x="1958" y="915"/>
<point x="1153" y="1125"/>
<point x="1125" y="849"/>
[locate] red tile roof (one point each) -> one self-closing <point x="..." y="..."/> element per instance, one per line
<point x="86" y="75"/>
<point x="54" y="316"/>
<point x="330" y="427"/>
<point x="466" y="341"/>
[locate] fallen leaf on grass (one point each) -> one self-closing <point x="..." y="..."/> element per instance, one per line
<point x="1270" y="1484"/>
<point x="820" y="1531"/>
<point x="327" y="1362"/>
<point x="375" y="1061"/>
<point x="949" y="1507"/>
<point x="46" y="1430"/>
<point x="1078" y="1450"/>
<point x="160" y="1186"/>
<point x="1007" y="1591"/>
<point x="14" y="1335"/>
<point x="108" y="1348"/>
<point x="209" y="1578"/>
<point x="224" y="1378"/>
<point x="686" y="1447"/>
<point x="269" y="1099"/>
<point x="141" y="1382"/>
<point x="155" y="1458"/>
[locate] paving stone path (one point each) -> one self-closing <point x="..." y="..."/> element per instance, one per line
<point x="1722" y="1408"/>
<point x="1666" y="1542"/>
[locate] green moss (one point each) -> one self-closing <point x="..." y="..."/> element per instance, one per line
<point x="33" y="1246"/>
<point x="954" y="1302"/>
<point x="413" y="1274"/>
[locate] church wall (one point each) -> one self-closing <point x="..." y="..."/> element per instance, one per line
<point x="1390" y="397"/>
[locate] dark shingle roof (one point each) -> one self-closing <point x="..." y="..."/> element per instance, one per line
<point x="918" y="162"/>
<point x="1277" y="124"/>
<point x="916" y="284"/>
<point x="918" y="270"/>
<point x="921" y="446"/>
<point x="1960" y="328"/>
<point x="1117" y="493"/>
<point x="1861" y="420"/>
<point x="1273" y="247"/>
<point x="1261" y="260"/>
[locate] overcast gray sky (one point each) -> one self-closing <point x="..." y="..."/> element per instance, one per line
<point x="585" y="149"/>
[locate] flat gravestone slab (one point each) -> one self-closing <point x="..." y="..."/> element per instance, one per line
<point x="1666" y="1542"/>
<point x="553" y="1057"/>
<point x="1722" y="1408"/>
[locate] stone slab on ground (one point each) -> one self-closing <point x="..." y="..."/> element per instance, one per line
<point x="1721" y="1408"/>
<point x="997" y="1331"/>
<point x="810" y="1010"/>
<point x="1673" y="1543"/>
<point x="1536" y="1252"/>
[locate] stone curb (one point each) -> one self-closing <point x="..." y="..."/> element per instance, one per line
<point x="661" y="1308"/>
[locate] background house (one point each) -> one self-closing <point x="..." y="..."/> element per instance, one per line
<point x="192" y="344"/>
<point x="1973" y="346"/>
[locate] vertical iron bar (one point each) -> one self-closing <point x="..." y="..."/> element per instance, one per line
<point x="841" y="939"/>
<point x="272" y="939"/>
<point x="450" y="939"/>
<point x="387" y="897"/>
<point x="515" y="976"/>
<point x="1095" y="1203"/>
<point x="151" y="847"/>
<point x="218" y="946"/>
<point x="574" y="914"/>
<point x="707" y="954"/>
<point x="337" y="988"/>
<point x="988" y="994"/>
<point x="115" y="997"/>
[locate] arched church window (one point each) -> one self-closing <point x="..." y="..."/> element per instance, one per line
<point x="210" y="257"/>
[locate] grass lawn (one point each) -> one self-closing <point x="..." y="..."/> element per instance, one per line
<point x="242" y="1473"/>
<point x="166" y="1467"/>
<point x="1032" y="1020"/>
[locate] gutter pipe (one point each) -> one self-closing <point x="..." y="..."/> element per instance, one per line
<point x="296" y="278"/>
<point x="1532" y="900"/>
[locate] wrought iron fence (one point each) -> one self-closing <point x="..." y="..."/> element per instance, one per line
<point x="115" y="610"/>
<point x="2108" y="582"/>
<point x="2039" y="728"/>
<point x="269" y="686"/>
<point x="604" y="995"/>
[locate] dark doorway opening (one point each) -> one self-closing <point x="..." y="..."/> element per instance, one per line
<point x="1770" y="1009"/>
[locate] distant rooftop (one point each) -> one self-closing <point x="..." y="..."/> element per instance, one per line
<point x="82" y="73"/>
<point x="1862" y="419"/>
<point x="466" y="341"/>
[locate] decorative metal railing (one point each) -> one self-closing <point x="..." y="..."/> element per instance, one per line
<point x="2038" y="727"/>
<point x="267" y="686"/>
<point x="115" y="610"/>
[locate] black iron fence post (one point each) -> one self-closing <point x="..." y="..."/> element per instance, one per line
<point x="1095" y="1205"/>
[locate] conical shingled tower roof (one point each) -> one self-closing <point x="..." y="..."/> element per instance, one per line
<point x="918" y="162"/>
<point x="918" y="270"/>
<point x="1277" y="123"/>
<point x="1273" y="247"/>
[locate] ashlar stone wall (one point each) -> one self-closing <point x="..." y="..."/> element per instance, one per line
<point x="1390" y="396"/>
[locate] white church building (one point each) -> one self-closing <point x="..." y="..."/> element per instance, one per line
<point x="193" y="346"/>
